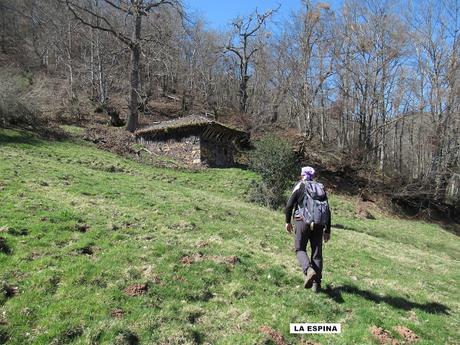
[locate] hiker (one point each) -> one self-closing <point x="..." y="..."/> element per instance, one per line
<point x="312" y="223"/>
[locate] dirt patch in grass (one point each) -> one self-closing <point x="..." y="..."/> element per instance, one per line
<point x="203" y="244"/>
<point x="136" y="289"/>
<point x="407" y="334"/>
<point x="157" y="280"/>
<point x="190" y="259"/>
<point x="126" y="337"/>
<point x="82" y="227"/>
<point x="68" y="335"/>
<point x="383" y="337"/>
<point x="18" y="232"/>
<point x="276" y="336"/>
<point x="232" y="260"/>
<point x="4" y="247"/>
<point x="184" y="226"/>
<point x="8" y="290"/>
<point x="117" y="313"/>
<point x="87" y="250"/>
<point x="34" y="256"/>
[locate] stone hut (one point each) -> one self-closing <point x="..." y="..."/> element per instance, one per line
<point x="194" y="140"/>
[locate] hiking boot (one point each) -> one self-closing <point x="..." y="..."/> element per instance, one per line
<point x="316" y="287"/>
<point x="310" y="276"/>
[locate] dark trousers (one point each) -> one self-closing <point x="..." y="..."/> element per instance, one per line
<point x="303" y="234"/>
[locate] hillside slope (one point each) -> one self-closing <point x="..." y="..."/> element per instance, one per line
<point x="97" y="249"/>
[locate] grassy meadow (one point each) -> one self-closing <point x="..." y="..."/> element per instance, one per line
<point x="99" y="249"/>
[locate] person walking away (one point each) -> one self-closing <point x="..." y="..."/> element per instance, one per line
<point x="312" y="223"/>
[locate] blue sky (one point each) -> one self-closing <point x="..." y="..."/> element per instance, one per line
<point x="218" y="13"/>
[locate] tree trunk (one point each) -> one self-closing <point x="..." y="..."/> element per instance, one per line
<point x="91" y="63"/>
<point x="69" y="62"/>
<point x="323" y="119"/>
<point x="244" y="94"/>
<point x="401" y="136"/>
<point x="102" y="84"/>
<point x="134" y="80"/>
<point x="3" y="31"/>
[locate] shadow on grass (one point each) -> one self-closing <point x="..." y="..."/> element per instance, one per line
<point x="31" y="135"/>
<point x="345" y="227"/>
<point x="394" y="301"/>
<point x="453" y="228"/>
<point x="24" y="138"/>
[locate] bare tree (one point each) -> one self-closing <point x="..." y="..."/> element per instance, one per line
<point x="308" y="56"/>
<point x="136" y="9"/>
<point x="243" y="43"/>
<point x="435" y="37"/>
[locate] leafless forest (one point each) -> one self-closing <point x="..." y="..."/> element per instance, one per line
<point x="376" y="80"/>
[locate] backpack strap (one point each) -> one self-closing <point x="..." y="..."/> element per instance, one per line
<point x="302" y="187"/>
<point x="304" y="190"/>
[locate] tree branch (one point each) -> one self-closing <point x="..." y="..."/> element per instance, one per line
<point x="118" y="7"/>
<point x="72" y="6"/>
<point x="234" y="50"/>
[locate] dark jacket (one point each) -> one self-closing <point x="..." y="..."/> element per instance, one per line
<point x="293" y="204"/>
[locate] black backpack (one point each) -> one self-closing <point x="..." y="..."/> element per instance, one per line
<point x="314" y="207"/>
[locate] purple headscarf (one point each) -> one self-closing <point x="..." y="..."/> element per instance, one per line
<point x="308" y="173"/>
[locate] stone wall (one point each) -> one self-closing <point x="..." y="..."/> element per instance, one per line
<point x="193" y="150"/>
<point x="187" y="149"/>
<point x="216" y="154"/>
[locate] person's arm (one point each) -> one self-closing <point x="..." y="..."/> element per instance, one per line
<point x="328" y="222"/>
<point x="293" y="201"/>
<point x="327" y="230"/>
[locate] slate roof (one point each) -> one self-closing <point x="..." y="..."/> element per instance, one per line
<point x="194" y="124"/>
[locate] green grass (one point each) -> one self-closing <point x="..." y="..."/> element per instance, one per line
<point x="142" y="221"/>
